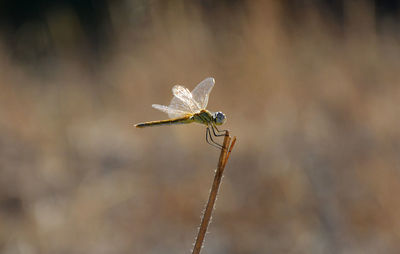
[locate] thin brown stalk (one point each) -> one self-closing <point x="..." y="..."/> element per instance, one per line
<point x="229" y="151"/>
<point x="227" y="147"/>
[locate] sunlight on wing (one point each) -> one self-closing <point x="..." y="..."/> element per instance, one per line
<point x="177" y="104"/>
<point x="185" y="96"/>
<point x="172" y="112"/>
<point x="201" y="92"/>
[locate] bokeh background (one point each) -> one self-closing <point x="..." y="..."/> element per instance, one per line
<point x="310" y="88"/>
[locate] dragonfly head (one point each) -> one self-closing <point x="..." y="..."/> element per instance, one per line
<point x="219" y="118"/>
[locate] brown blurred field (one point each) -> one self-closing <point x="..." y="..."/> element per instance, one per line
<point x="315" y="108"/>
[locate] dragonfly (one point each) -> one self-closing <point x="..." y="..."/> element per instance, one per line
<point x="190" y="107"/>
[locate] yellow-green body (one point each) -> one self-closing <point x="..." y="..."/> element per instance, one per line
<point x="203" y="117"/>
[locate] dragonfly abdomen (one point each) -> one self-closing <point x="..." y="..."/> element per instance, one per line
<point x="183" y="120"/>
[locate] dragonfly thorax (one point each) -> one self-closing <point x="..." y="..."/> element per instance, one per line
<point x="219" y="118"/>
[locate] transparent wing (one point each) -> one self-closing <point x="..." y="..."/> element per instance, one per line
<point x="183" y="100"/>
<point x="172" y="112"/>
<point x="178" y="104"/>
<point x="202" y="91"/>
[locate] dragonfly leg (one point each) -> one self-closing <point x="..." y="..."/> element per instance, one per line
<point x="209" y="137"/>
<point x="217" y="132"/>
<point x="212" y="142"/>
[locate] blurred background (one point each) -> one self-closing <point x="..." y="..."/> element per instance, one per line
<point x="310" y="89"/>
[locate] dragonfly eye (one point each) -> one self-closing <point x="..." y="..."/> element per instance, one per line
<point x="220" y="118"/>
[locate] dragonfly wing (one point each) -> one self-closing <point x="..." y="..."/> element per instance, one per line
<point x="183" y="100"/>
<point x="202" y="91"/>
<point x="172" y="112"/>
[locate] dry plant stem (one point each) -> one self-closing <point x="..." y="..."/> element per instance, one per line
<point x="230" y="150"/>
<point x="223" y="158"/>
